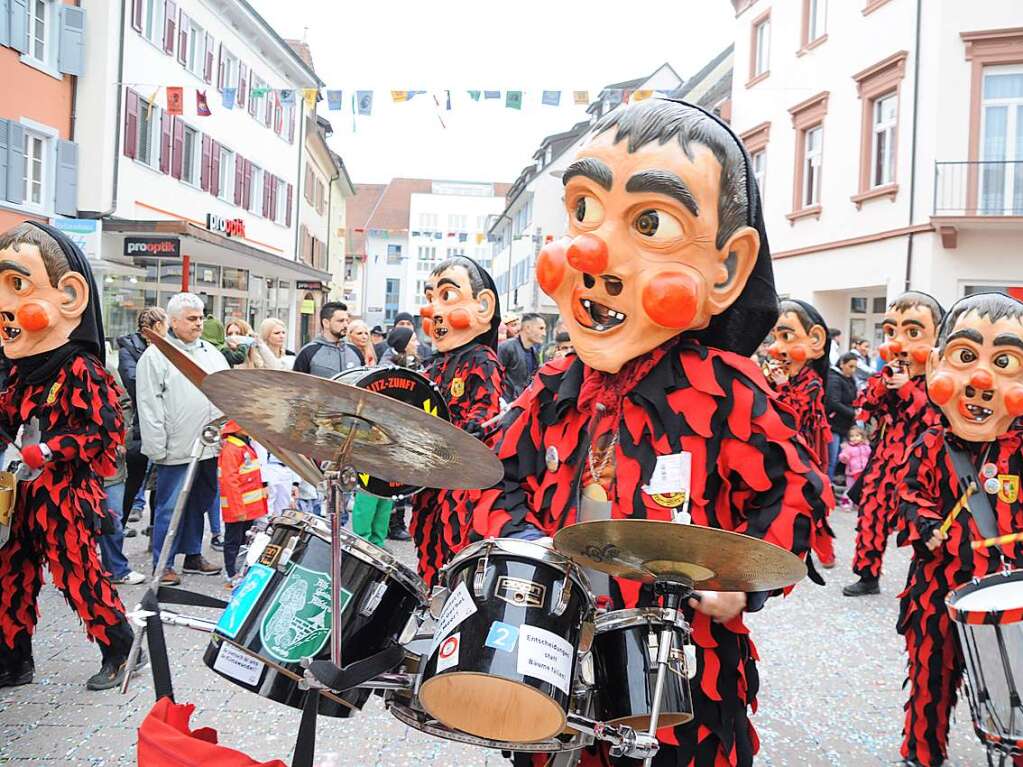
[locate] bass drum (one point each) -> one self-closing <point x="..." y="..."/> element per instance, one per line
<point x="405" y="386"/>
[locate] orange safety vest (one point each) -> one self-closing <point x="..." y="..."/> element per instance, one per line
<point x="242" y="490"/>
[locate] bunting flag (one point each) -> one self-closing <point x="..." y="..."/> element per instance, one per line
<point x="353" y="113"/>
<point x="228" y="97"/>
<point x="202" y="107"/>
<point x="365" y="99"/>
<point x="513" y="100"/>
<point x="641" y="95"/>
<point x="334" y="100"/>
<point x="311" y="95"/>
<point x="399" y="96"/>
<point x="152" y="102"/>
<point x="480" y="237"/>
<point x="287" y="97"/>
<point x="491" y="94"/>
<point x="463" y="236"/>
<point x="175" y="100"/>
<point x="475" y="95"/>
<point x="551" y="98"/>
<point x="581" y="98"/>
<point x="259" y="91"/>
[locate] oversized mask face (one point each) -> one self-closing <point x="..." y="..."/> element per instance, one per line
<point x="640" y="264"/>
<point x="977" y="379"/>
<point x="909" y="338"/>
<point x="453" y="316"/>
<point x="793" y="346"/>
<point x="35" y="316"/>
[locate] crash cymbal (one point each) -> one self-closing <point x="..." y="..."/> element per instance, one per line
<point x="390" y="440"/>
<point x="646" y="549"/>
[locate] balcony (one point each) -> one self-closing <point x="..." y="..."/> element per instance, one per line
<point x="977" y="195"/>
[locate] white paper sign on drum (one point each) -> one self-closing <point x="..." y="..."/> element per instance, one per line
<point x="458" y="607"/>
<point x="545" y="656"/>
<point x="238" y="665"/>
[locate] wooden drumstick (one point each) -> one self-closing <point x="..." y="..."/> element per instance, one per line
<point x="960" y="505"/>
<point x="1000" y="540"/>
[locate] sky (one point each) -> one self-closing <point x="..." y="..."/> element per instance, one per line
<point x="458" y="45"/>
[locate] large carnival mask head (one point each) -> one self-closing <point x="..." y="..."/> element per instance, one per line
<point x="461" y="304"/>
<point x="800" y="336"/>
<point x="910" y="330"/>
<point x="975" y="375"/>
<point x="42" y="298"/>
<point x="658" y="239"/>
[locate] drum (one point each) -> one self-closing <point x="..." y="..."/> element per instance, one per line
<point x="625" y="665"/>
<point x="502" y="666"/>
<point x="406" y="386"/>
<point x="989" y="618"/>
<point x="281" y="612"/>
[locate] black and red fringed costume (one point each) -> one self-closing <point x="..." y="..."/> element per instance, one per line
<point x="902" y="415"/>
<point x="929" y="492"/>
<point x="804" y="394"/>
<point x="750" y="474"/>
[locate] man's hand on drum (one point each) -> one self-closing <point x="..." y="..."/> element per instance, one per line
<point x="722" y="606"/>
<point x="937" y="538"/>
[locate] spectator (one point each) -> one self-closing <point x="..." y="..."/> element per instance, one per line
<point x="834" y="334"/>
<point x="358" y="339"/>
<point x="237" y="339"/>
<point x="242" y="490"/>
<point x="562" y="345"/>
<point x="402" y="346"/>
<point x="855" y="455"/>
<point x="864" y="370"/>
<point x="274" y="334"/>
<point x="172" y="414"/>
<point x="213" y="331"/>
<point x="519" y="355"/>
<point x="111" y="538"/>
<point x="403" y="320"/>
<point x="328" y="354"/>
<point x="512" y="324"/>
<point x="841" y="392"/>
<point x="379" y="341"/>
<point x="502" y="333"/>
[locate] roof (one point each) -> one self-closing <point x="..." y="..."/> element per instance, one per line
<point x="302" y="49"/>
<point x="358" y="209"/>
<point x="288" y="50"/>
<point x="343" y="172"/>
<point x="719" y="89"/>
<point x="391" y="212"/>
<point x="630" y="85"/>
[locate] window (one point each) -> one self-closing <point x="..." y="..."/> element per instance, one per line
<point x="455" y="252"/>
<point x="427" y="220"/>
<point x="420" y="292"/>
<point x="457" y="223"/>
<point x="808" y="121"/>
<point x="35" y="169"/>
<point x="41" y="18"/>
<point x="225" y="181"/>
<point x="153" y="23"/>
<point x="256" y="183"/>
<point x="391" y="297"/>
<point x="228" y="69"/>
<point x="281" y="214"/>
<point x="814" y="21"/>
<point x="149" y="134"/>
<point x="195" y="47"/>
<point x="191" y="155"/>
<point x="394" y="254"/>
<point x="1001" y="168"/>
<point x="883" y="151"/>
<point x="760" y="48"/>
<point x="812" y="140"/>
<point x="760" y="170"/>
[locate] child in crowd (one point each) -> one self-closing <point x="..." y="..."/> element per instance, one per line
<point x="243" y="493"/>
<point x="854" y="454"/>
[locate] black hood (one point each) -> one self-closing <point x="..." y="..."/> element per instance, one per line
<point x="490" y="337"/>
<point x="821" y="364"/>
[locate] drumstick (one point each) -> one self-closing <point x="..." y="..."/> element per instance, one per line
<point x="960" y="505"/>
<point x="1000" y="540"/>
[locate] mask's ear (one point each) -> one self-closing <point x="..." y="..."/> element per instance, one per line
<point x="76" y="291"/>
<point x="486" y="301"/>
<point x="932" y="363"/>
<point x="818" y="337"/>
<point x="736" y="262"/>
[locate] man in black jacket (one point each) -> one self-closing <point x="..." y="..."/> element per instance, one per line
<point x="841" y="393"/>
<point x="519" y="355"/>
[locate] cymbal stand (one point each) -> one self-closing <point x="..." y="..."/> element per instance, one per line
<point x="340" y="483"/>
<point x="674" y="590"/>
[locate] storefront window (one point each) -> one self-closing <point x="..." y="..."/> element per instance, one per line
<point x="124" y="297"/>
<point x="235" y="307"/>
<point x="236" y="279"/>
<point x="170" y="272"/>
<point x="207" y="275"/>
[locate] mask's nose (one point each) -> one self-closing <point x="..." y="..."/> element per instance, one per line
<point x="981" y="379"/>
<point x="588" y="253"/>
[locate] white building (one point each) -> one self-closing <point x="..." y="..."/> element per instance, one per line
<point x="884" y="166"/>
<point x="219" y="190"/>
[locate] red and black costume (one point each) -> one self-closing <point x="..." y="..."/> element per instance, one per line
<point x="929" y="491"/>
<point x="750" y="474"/>
<point x="902" y="415"/>
<point x="804" y="394"/>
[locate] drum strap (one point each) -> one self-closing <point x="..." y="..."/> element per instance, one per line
<point x="305" y="743"/>
<point x="979" y="503"/>
<point x="359" y="672"/>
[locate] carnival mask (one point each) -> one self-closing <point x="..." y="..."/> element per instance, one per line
<point x="455" y="313"/>
<point x="976" y="376"/>
<point x="641" y="264"/>
<point x="37" y="315"/>
<point x="909" y="338"/>
<point x="793" y="345"/>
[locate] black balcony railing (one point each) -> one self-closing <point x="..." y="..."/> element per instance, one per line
<point x="984" y="188"/>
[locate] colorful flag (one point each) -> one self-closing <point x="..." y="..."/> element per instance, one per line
<point x="463" y="236"/>
<point x="475" y="95"/>
<point x="513" y="100"/>
<point x="365" y="99"/>
<point x="259" y="91"/>
<point x="551" y="98"/>
<point x="229" y="95"/>
<point x="175" y="100"/>
<point x="353" y="113"/>
<point x="480" y="237"/>
<point x="287" y="97"/>
<point x="334" y="100"/>
<point x="202" y="107"/>
<point x="311" y="96"/>
<point x="399" y="96"/>
<point x="438" y="236"/>
<point x="491" y="94"/>
<point x="581" y="98"/>
<point x="641" y="95"/>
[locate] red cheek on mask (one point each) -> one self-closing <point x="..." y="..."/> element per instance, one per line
<point x="982" y="380"/>
<point x="1014" y="401"/>
<point x="550" y="267"/>
<point x="671" y="300"/>
<point x="32" y="317"/>
<point x="941" y="388"/>
<point x="920" y="355"/>
<point x="798" y="353"/>
<point x="459" y="319"/>
<point x="588" y="253"/>
<point x="428" y="324"/>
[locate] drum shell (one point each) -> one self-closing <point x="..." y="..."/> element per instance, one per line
<point x="362" y="635"/>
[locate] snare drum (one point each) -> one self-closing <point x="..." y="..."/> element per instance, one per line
<point x="989" y="617"/>
<point x="281" y="612"/>
<point x="503" y="661"/>
<point x="625" y="664"/>
<point x="405" y="386"/>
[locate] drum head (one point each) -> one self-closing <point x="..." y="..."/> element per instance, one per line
<point x="492" y="708"/>
<point x="993" y="599"/>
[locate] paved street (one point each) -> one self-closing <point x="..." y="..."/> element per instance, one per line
<point x="832" y="670"/>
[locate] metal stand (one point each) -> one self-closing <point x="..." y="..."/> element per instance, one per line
<point x="340" y="484"/>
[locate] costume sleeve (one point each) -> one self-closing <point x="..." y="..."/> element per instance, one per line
<point x="152" y="408"/>
<point x="483" y="390"/>
<point x="920" y="502"/>
<point x="871" y="401"/>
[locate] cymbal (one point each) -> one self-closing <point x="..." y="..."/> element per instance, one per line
<point x="647" y="549"/>
<point x="191" y="370"/>
<point x="390" y="440"/>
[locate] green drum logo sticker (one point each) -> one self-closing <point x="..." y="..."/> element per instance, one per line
<point x="297" y="623"/>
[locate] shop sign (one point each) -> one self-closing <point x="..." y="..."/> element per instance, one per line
<point x="309" y="285"/>
<point x="229" y="227"/>
<point x="86" y="233"/>
<point x="152" y="247"/>
<point x="308" y="306"/>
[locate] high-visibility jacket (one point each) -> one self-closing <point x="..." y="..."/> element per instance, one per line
<point x="242" y="489"/>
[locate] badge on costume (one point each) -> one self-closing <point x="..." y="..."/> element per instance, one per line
<point x="552" y="459"/>
<point x="1008" y="488"/>
<point x="671" y="480"/>
<point x="992" y="486"/>
<point x="457" y="387"/>
<point x="52" y="396"/>
<point x="988" y="471"/>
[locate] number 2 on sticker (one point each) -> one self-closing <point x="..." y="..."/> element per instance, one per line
<point x="502" y="636"/>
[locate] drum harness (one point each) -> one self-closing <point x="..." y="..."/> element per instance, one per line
<point x="978" y="503"/>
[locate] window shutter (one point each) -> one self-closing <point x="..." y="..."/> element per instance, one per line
<point x="131" y="123"/>
<point x="207" y="73"/>
<point x="5" y="26"/>
<point x="66" y="203"/>
<point x="170" y="16"/>
<point x="215" y="169"/>
<point x="247" y="186"/>
<point x="278" y="114"/>
<point x="4" y="129"/>
<point x="19" y="25"/>
<point x="204" y="173"/>
<point x="15" y="162"/>
<point x="287" y="217"/>
<point x="136" y="15"/>
<point x="71" y="51"/>
<point x="269" y="114"/>
<point x="220" y="68"/>
<point x="182" y="39"/>
<point x="165" y="141"/>
<point x="307" y="187"/>
<point x="266" y="194"/>
<point x="252" y="98"/>
<point x="273" y="198"/>
<point x="243" y="72"/>
<point x="239" y="178"/>
<point x="291" y="126"/>
<point x="178" y="152"/>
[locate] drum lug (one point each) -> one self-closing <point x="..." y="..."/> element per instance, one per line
<point x="372" y="601"/>
<point x="287" y="551"/>
<point x="480" y="576"/>
<point x="438" y="598"/>
<point x="652" y="644"/>
<point x="689" y="660"/>
<point x="564" y="598"/>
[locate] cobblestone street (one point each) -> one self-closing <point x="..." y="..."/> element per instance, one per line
<point x="832" y="670"/>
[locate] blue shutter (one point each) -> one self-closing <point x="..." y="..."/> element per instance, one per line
<point x="5" y="22"/>
<point x="3" y="159"/>
<point x="66" y="203"/>
<point x="15" y="162"/>
<point x="19" y="25"/>
<point x="71" y="53"/>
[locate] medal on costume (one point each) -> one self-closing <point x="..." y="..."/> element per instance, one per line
<point x="457" y="387"/>
<point x="551" y="459"/>
<point x="1008" y="488"/>
<point x="988" y="470"/>
<point x="52" y="396"/>
<point x="992" y="485"/>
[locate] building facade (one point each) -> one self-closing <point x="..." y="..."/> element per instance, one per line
<point x="892" y="158"/>
<point x="203" y="201"/>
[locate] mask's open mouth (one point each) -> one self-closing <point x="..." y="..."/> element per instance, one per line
<point x="439" y="331"/>
<point x="9" y="332"/>
<point x="975" y="413"/>
<point x="599" y="317"/>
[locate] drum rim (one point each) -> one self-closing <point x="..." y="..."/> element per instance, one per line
<point x="615" y="620"/>
<point x="963" y="615"/>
